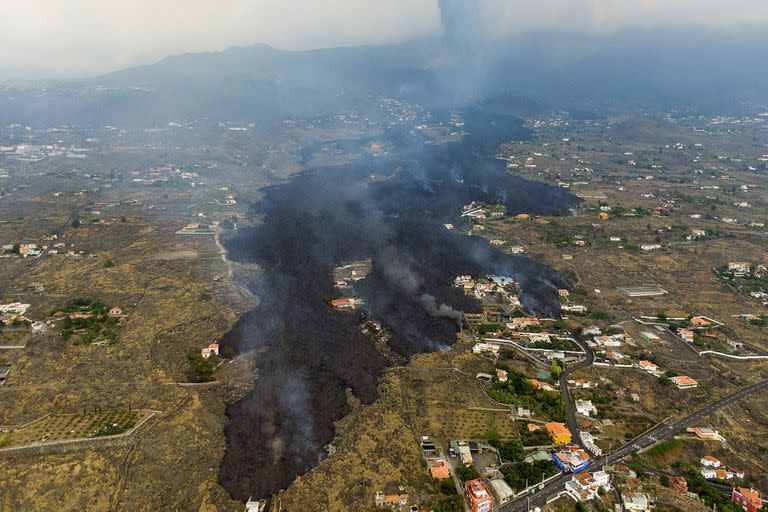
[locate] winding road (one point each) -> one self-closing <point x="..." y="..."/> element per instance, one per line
<point x="660" y="432"/>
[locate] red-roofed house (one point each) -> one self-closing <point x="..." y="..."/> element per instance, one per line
<point x="211" y="349"/>
<point x="438" y="468"/>
<point x="748" y="499"/>
<point x="684" y="382"/>
<point x="679" y="483"/>
<point x="477" y="496"/>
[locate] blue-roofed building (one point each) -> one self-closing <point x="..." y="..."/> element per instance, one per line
<point x="571" y="459"/>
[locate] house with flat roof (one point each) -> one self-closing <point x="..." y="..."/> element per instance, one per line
<point x="635" y="501"/>
<point x="501" y="491"/>
<point x="571" y="459"/>
<point x="585" y="408"/>
<point x="706" y="433"/>
<point x="585" y="486"/>
<point x="477" y="496"/>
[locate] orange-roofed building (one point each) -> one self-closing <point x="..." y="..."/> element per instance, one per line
<point x="523" y="322"/>
<point x="558" y="432"/>
<point x="705" y="433"/>
<point x="537" y="384"/>
<point x="747" y="499"/>
<point x="722" y="474"/>
<point x="532" y="427"/>
<point x="679" y="483"/>
<point x="338" y="303"/>
<point x="438" y="468"/>
<point x="477" y="496"/>
<point x="684" y="382"/>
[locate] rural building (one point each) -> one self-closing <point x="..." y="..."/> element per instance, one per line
<point x="477" y="496"/>
<point x="343" y="303"/>
<point x="585" y="408"/>
<point x="642" y="291"/>
<point x="211" y="349"/>
<point x="501" y="375"/>
<point x="502" y="492"/>
<point x="739" y="268"/>
<point x="486" y="348"/>
<point x="709" y="461"/>
<point x="684" y="382"/>
<point x="583" y="383"/>
<point x="571" y="459"/>
<point x="649" y="336"/>
<point x="253" y="506"/>
<point x="747" y="499"/>
<point x="648" y="366"/>
<point x="462" y="449"/>
<point x="584" y="486"/>
<point x="679" y="483"/>
<point x="592" y="330"/>
<point x="558" y="432"/>
<point x="706" y="433"/>
<point x="538" y="385"/>
<point x="438" y="469"/>
<point x="393" y="501"/>
<point x="686" y="335"/>
<point x="522" y="323"/>
<point x="538" y="456"/>
<point x="523" y="411"/>
<point x="635" y="501"/>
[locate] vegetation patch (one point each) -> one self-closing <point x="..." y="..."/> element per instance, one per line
<point x="88" y="321"/>
<point x="201" y="369"/>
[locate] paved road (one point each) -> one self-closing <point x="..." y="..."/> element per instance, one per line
<point x="663" y="430"/>
<point x="573" y="424"/>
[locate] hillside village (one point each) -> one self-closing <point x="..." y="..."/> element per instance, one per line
<point x="115" y="314"/>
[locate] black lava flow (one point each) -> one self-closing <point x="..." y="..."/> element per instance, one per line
<point x="389" y="209"/>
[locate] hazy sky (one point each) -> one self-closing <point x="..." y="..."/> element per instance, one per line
<point x="73" y="37"/>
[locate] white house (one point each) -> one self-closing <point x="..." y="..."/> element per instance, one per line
<point x="585" y="407"/>
<point x="584" y="486"/>
<point x="635" y="501"/>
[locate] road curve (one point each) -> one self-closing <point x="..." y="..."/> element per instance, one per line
<point x="660" y="432"/>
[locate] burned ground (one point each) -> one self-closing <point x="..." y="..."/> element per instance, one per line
<point x="388" y="209"/>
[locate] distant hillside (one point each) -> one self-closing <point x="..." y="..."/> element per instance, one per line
<point x="680" y="68"/>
